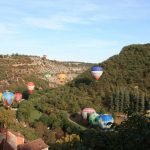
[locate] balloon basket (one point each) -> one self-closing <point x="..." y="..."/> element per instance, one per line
<point x="30" y="92"/>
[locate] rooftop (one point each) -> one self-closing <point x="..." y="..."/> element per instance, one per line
<point x="37" y="144"/>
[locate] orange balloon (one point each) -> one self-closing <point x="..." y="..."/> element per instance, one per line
<point x="62" y="77"/>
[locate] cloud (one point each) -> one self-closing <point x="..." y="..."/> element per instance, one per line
<point x="60" y="14"/>
<point x="44" y="23"/>
<point x="55" y="22"/>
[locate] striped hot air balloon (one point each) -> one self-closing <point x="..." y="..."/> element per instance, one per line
<point x="8" y="98"/>
<point x="97" y="71"/>
<point x="30" y="86"/>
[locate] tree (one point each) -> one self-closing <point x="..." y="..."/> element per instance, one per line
<point x="121" y="104"/>
<point x="126" y="101"/>
<point x="42" y="130"/>
<point x="141" y="102"/>
<point x="24" y="111"/>
<point x="7" y="117"/>
<point x="116" y="100"/>
<point x="136" y="99"/>
<point x="134" y="133"/>
<point x="111" y="102"/>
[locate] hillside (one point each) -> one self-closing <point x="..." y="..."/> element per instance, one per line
<point x="129" y="69"/>
<point x="125" y="84"/>
<point x="124" y="87"/>
<point x="125" y="74"/>
<point x="17" y="70"/>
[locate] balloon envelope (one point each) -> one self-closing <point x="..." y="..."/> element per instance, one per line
<point x="93" y="118"/>
<point x="1" y="96"/>
<point x="105" y="121"/>
<point x="8" y="98"/>
<point x="47" y="75"/>
<point x="30" y="86"/>
<point x="87" y="111"/>
<point x="97" y="71"/>
<point x="62" y="77"/>
<point x="18" y="96"/>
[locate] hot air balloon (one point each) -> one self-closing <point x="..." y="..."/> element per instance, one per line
<point x="8" y="98"/>
<point x="1" y="96"/>
<point x="87" y="111"/>
<point x="97" y="71"/>
<point x="18" y="96"/>
<point x="47" y="76"/>
<point x="93" y="118"/>
<point x="105" y="121"/>
<point x="30" y="86"/>
<point x="62" y="77"/>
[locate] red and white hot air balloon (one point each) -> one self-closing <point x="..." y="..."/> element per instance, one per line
<point x="97" y="71"/>
<point x="30" y="86"/>
<point x="18" y="96"/>
<point x="87" y="111"/>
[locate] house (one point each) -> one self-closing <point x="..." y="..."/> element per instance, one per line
<point x="37" y="144"/>
<point x="45" y="57"/>
<point x="11" y="140"/>
<point x="14" y="138"/>
<point x="4" y="145"/>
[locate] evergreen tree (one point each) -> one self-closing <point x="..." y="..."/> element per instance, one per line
<point x="135" y="101"/>
<point x="131" y="102"/>
<point x="116" y="100"/>
<point x="147" y="102"/>
<point x="142" y="102"/>
<point x="137" y="109"/>
<point x="126" y="101"/>
<point x="111" y="102"/>
<point x="121" y="104"/>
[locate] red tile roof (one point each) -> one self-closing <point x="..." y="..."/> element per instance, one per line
<point x="5" y="146"/>
<point x="33" y="145"/>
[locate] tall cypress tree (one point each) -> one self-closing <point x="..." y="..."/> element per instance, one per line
<point x="111" y="102"/>
<point x="147" y="102"/>
<point x="121" y="104"/>
<point x="142" y="102"/>
<point x="126" y="101"/>
<point x="137" y="106"/>
<point x="135" y="100"/>
<point x="116" y="100"/>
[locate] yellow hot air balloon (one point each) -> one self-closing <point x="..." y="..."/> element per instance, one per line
<point x="1" y="96"/>
<point x="62" y="77"/>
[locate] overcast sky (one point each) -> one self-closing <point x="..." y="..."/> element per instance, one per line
<point x="73" y="30"/>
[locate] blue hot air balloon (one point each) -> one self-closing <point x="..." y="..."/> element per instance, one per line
<point x="8" y="98"/>
<point x="105" y="121"/>
<point x="97" y="71"/>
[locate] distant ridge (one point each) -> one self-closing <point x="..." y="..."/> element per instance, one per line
<point x="17" y="69"/>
